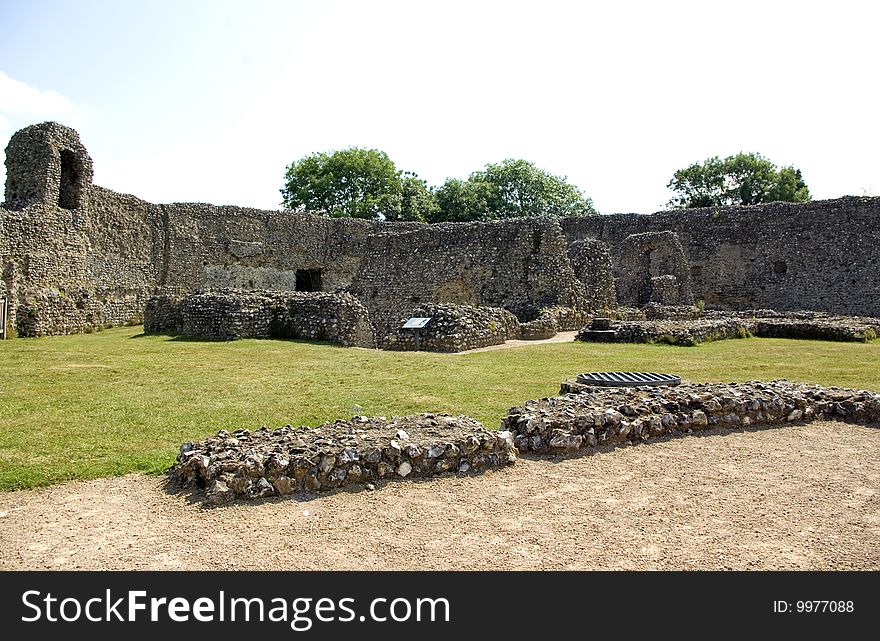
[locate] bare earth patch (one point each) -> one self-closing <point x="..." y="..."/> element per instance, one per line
<point x="797" y="497"/>
<point x="560" y="337"/>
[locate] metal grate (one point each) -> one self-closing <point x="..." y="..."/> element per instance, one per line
<point x="627" y="379"/>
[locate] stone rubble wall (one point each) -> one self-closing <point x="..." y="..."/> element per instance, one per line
<point x="75" y="268"/>
<point x="585" y="417"/>
<point x="665" y="290"/>
<point x="719" y="326"/>
<point x="543" y="327"/>
<point x="842" y="329"/>
<point x="458" y="328"/>
<point x="552" y="320"/>
<point x="454" y="328"/>
<point x="234" y="314"/>
<point x="656" y="311"/>
<point x="360" y="452"/>
<point x="652" y="267"/>
<point x="591" y="261"/>
<point x="93" y="260"/>
<point x="519" y="265"/>
<point x="672" y="332"/>
<point x="822" y="255"/>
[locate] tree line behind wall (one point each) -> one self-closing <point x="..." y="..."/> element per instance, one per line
<point x="365" y="183"/>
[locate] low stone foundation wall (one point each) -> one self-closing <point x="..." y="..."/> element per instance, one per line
<point x="586" y="416"/>
<point x="716" y="326"/>
<point x="672" y="332"/>
<point x="454" y="328"/>
<point x="233" y="314"/>
<point x="656" y="311"/>
<point x="839" y="329"/>
<point x="357" y="452"/>
<point x="543" y="327"/>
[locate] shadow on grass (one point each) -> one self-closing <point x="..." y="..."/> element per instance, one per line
<point x="180" y="338"/>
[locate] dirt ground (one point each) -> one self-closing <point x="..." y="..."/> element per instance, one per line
<point x="560" y="337"/>
<point x="802" y="497"/>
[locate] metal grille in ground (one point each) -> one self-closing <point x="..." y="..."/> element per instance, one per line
<point x="627" y="379"/>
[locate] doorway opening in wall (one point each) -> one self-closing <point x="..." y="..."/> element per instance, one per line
<point x="308" y="280"/>
<point x="68" y="190"/>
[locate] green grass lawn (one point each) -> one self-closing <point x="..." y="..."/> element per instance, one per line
<point x="118" y="401"/>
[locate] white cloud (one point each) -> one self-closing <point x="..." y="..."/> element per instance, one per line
<point x="17" y="97"/>
<point x="22" y="104"/>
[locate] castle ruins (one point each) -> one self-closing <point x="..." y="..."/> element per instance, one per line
<point x="77" y="257"/>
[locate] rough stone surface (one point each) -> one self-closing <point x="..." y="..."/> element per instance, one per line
<point x="652" y="267"/>
<point x="585" y="416"/>
<point x="257" y="464"/>
<point x="232" y="314"/>
<point x="453" y="328"/>
<point x="822" y="255"/>
<point x="673" y="332"/>
<point x="457" y="328"/>
<point x="591" y="261"/>
<point x="723" y="325"/>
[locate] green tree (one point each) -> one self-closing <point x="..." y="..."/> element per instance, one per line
<point x="417" y="201"/>
<point x="510" y="189"/>
<point x="460" y="201"/>
<point x="743" y="179"/>
<point x="361" y="183"/>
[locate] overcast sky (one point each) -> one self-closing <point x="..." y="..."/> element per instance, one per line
<point x="210" y="100"/>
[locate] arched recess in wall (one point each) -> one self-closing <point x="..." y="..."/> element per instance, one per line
<point x="645" y="263"/>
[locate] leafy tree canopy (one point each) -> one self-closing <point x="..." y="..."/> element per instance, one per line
<point x="743" y="179"/>
<point x="510" y="189"/>
<point x="365" y="183"/>
<point x="417" y="200"/>
<point x="355" y="182"/>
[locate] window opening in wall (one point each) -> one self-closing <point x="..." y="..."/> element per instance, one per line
<point x="536" y="241"/>
<point x="68" y="192"/>
<point x="780" y="267"/>
<point x="308" y="280"/>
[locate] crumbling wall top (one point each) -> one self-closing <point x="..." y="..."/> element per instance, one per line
<point x="47" y="164"/>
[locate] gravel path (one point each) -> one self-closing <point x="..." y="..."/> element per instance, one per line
<point x="802" y="497"/>
<point x="560" y="337"/>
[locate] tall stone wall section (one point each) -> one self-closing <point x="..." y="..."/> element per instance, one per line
<point x="74" y="257"/>
<point x="822" y="256"/>
<point x="519" y="265"/>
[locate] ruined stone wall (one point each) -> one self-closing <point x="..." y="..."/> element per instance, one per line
<point x="223" y="246"/>
<point x="591" y="261"/>
<point x="519" y="265"/>
<point x="453" y="328"/>
<point x="822" y="255"/>
<point x="584" y="417"/>
<point x="76" y="257"/>
<point x="232" y="314"/>
<point x="359" y="453"/>
<point x="391" y="267"/>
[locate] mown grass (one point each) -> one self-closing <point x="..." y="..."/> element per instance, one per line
<point x="118" y="401"/>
